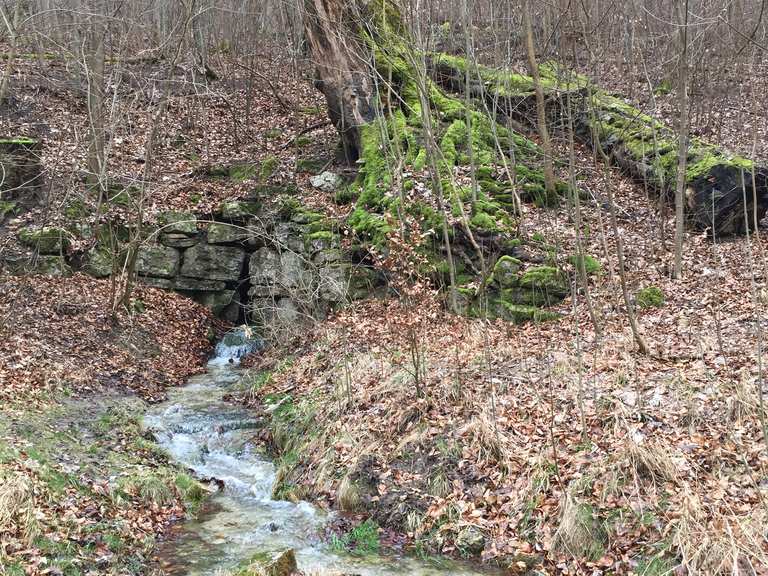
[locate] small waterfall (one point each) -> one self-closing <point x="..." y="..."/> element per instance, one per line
<point x="236" y="344"/>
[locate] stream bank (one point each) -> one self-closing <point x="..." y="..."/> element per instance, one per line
<point x="219" y="442"/>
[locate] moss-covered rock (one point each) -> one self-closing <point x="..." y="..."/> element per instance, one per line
<point x="46" y="240"/>
<point x="178" y="222"/>
<point x="221" y="233"/>
<point x="506" y="272"/>
<point x="238" y="210"/>
<point x="281" y="563"/>
<point x="157" y="261"/>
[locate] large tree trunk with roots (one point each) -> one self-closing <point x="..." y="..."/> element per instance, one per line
<point x="430" y="167"/>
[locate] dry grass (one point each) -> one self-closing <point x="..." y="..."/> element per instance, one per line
<point x="17" y="505"/>
<point x="579" y="534"/>
<point x="348" y="495"/>
<point x="717" y="543"/>
<point x="489" y="442"/>
<point x="651" y="461"/>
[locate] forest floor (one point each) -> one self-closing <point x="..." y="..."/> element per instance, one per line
<point x="544" y="445"/>
<point x="82" y="490"/>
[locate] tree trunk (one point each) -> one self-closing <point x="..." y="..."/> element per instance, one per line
<point x="383" y="103"/>
<point x="343" y="72"/>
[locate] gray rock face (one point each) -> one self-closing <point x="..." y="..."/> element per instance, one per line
<point x="223" y="304"/>
<point x="99" y="262"/>
<point x="213" y="262"/>
<point x="199" y="284"/>
<point x="219" y="233"/>
<point x="158" y="261"/>
<point x="178" y="223"/>
<point x="327" y="181"/>
<point x="264" y="267"/>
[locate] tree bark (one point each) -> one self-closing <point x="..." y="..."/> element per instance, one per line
<point x="342" y="66"/>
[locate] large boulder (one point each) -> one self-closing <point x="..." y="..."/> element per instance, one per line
<point x="213" y="262"/>
<point x="172" y="222"/>
<point x="221" y="233"/>
<point x="157" y="261"/>
<point x="264" y="267"/>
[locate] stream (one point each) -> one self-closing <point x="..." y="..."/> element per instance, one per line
<point x="214" y="438"/>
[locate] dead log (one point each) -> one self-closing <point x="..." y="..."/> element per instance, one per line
<point x="726" y="194"/>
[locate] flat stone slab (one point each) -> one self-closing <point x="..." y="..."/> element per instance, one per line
<point x="213" y="262"/>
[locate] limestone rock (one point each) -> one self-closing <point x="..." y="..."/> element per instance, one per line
<point x="238" y="210"/>
<point x="98" y="262"/>
<point x="333" y="283"/>
<point x="264" y="267"/>
<point x="199" y="284"/>
<point x="46" y="240"/>
<point x="292" y="271"/>
<point x="220" y="233"/>
<point x="178" y="223"/>
<point x="223" y="304"/>
<point x="164" y="283"/>
<point x="471" y="540"/>
<point x="178" y="240"/>
<point x="275" y="313"/>
<point x="327" y="181"/>
<point x="505" y="273"/>
<point x="158" y="261"/>
<point x="213" y="262"/>
<point x="266" y="564"/>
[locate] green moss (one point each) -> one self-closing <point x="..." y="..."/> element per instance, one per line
<point x="369" y="226"/>
<point x="483" y="221"/>
<point x="591" y="264"/>
<point x="310" y="165"/>
<point x="76" y="210"/>
<point x="22" y="141"/>
<point x="363" y="539"/>
<point x="7" y="207"/>
<point x="242" y="172"/>
<point x="302" y="141"/>
<point x="506" y="272"/>
<point x="268" y="167"/>
<point x="521" y="313"/>
<point x="650" y="297"/>
<point x="46" y="240"/>
<point x="545" y="278"/>
<point x="273" y="133"/>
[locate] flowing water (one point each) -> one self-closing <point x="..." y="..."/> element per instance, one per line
<point x="215" y="439"/>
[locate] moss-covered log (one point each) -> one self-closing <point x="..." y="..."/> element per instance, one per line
<point x="725" y="193"/>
